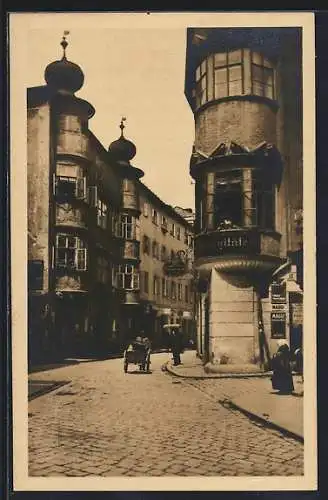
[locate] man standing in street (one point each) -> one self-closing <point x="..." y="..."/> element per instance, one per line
<point x="176" y="346"/>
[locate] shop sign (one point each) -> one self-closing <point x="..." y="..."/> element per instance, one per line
<point x="279" y="307"/>
<point x="278" y="325"/>
<point x="278" y="293"/>
<point x="297" y="314"/>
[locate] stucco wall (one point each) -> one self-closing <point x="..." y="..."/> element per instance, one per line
<point x="38" y="159"/>
<point x="245" y="122"/>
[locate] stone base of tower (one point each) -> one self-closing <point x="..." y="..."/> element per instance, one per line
<point x="233" y="325"/>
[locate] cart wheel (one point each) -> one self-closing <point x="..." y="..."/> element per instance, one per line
<point x="126" y="364"/>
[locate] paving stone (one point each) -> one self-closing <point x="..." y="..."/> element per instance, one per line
<point x="150" y="426"/>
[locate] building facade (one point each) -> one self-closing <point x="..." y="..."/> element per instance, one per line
<point x="244" y="87"/>
<point x="86" y="223"/>
<point x="167" y="296"/>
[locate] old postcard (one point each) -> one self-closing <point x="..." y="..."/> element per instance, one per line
<point x="163" y="251"/>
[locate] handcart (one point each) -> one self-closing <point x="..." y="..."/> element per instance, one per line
<point x="137" y="354"/>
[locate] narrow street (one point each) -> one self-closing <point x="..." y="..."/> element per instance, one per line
<point x="107" y="423"/>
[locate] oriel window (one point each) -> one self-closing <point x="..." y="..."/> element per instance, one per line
<point x="126" y="276"/>
<point x="228" y="206"/>
<point x="71" y="252"/>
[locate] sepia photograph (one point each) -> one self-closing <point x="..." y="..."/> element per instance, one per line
<point x="163" y="251"/>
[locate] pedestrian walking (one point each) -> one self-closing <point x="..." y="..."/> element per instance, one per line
<point x="282" y="378"/>
<point x="176" y="346"/>
<point x="298" y="355"/>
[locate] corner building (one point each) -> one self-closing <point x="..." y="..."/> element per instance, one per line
<point x="85" y="225"/>
<point x="244" y="88"/>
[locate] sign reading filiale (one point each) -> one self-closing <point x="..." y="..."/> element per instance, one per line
<point x="227" y="243"/>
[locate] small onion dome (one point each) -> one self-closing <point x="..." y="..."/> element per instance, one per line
<point x="122" y="149"/>
<point x="64" y="74"/>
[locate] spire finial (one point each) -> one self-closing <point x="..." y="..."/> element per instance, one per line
<point x="64" y="43"/>
<point x="122" y="126"/>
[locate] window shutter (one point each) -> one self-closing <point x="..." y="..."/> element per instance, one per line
<point x="81" y="259"/>
<point x="54" y="184"/>
<point x="80" y="188"/>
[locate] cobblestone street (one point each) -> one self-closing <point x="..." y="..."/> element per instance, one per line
<point x="107" y="423"/>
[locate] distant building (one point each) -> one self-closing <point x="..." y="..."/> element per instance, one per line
<point x="244" y="87"/>
<point x="167" y="296"/>
<point x="86" y="223"/>
<point x="187" y="213"/>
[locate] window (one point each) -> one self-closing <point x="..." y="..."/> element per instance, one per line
<point x="173" y="290"/>
<point x="164" y="222"/>
<point x="126" y="277"/>
<point x="186" y="293"/>
<point x="102" y="269"/>
<point x="146" y="282"/>
<point x="262" y="76"/>
<point x="145" y="209"/>
<point x="172" y="232"/>
<point x="35" y="274"/>
<point x="71" y="252"/>
<point x="146" y="244"/>
<point x="178" y="233"/>
<point x="165" y="288"/>
<point x="156" y="286"/>
<point x="155" y="250"/>
<point x="201" y="84"/>
<point x="163" y="253"/>
<point x="222" y="75"/>
<point x="179" y="291"/>
<point x="190" y="294"/>
<point x="67" y="188"/>
<point x="172" y="254"/>
<point x="243" y="199"/>
<point x="228" y="199"/>
<point x="102" y="214"/>
<point x="228" y="74"/>
<point x="186" y="239"/>
<point x="127" y="227"/>
<point x="154" y="216"/>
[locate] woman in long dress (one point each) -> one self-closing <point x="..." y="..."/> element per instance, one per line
<point x="282" y="378"/>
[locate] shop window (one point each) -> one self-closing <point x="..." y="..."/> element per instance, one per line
<point x="102" y="210"/>
<point x="126" y="277"/>
<point x="71" y="252"/>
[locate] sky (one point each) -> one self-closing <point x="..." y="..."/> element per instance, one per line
<point x="137" y="73"/>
